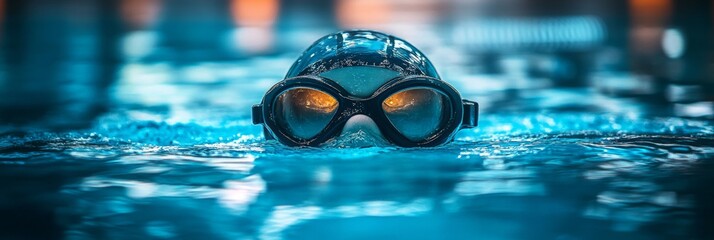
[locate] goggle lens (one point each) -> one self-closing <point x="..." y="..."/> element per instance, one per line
<point x="417" y="113"/>
<point x="304" y="112"/>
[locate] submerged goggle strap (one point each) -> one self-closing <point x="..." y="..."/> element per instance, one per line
<point x="470" y="114"/>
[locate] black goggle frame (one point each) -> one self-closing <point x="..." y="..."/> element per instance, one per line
<point x="460" y="113"/>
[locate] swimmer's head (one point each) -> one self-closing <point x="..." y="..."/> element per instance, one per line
<point x="365" y="84"/>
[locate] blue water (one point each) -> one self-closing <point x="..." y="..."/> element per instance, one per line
<point x="176" y="157"/>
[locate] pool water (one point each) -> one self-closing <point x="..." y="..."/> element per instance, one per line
<point x="176" y="157"/>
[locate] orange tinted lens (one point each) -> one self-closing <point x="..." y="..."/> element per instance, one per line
<point x="304" y="112"/>
<point x="416" y="113"/>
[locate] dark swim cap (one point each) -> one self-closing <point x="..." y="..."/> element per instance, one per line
<point x="362" y="48"/>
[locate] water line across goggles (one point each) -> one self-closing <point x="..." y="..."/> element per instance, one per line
<point x="412" y="111"/>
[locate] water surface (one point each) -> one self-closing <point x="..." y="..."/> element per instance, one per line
<point x="176" y="157"/>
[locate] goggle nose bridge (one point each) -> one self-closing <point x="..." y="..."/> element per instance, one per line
<point x="357" y="106"/>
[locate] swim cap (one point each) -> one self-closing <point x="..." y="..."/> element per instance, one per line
<point x="362" y="48"/>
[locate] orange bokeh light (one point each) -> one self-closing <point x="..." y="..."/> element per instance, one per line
<point x="255" y="13"/>
<point x="140" y="14"/>
<point x="649" y="19"/>
<point x="363" y="13"/>
<point x="650" y="12"/>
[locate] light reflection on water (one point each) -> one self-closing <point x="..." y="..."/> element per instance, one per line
<point x="528" y="185"/>
<point x="178" y="158"/>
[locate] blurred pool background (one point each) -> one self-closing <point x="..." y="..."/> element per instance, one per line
<point x="129" y="119"/>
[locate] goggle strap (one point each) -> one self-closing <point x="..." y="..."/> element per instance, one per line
<point x="470" y="114"/>
<point x="257" y="114"/>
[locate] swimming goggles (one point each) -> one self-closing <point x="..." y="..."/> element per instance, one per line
<point x="412" y="111"/>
